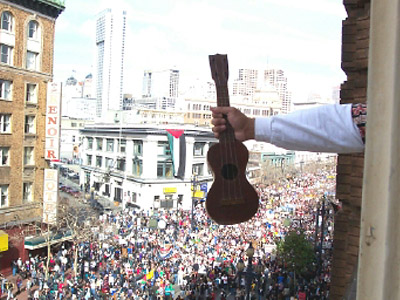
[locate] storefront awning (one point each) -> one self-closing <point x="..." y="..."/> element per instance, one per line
<point x="3" y="241"/>
<point x="37" y="242"/>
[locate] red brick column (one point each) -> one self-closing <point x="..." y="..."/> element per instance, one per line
<point x="355" y="46"/>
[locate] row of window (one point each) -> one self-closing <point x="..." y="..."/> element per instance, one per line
<point x="247" y="111"/>
<point x="7" y="48"/>
<point x="7" y="57"/>
<point x="29" y="156"/>
<point x="27" y="195"/>
<point x="163" y="147"/>
<point x="164" y="160"/>
<point x="6" y="88"/>
<point x="109" y="145"/>
<point x="197" y="106"/>
<point x="8" y="24"/>
<point x="5" y="124"/>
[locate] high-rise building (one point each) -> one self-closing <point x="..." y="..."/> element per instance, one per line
<point x="246" y="82"/>
<point x="26" y="67"/>
<point x="110" y="43"/>
<point x="163" y="83"/>
<point x="276" y="78"/>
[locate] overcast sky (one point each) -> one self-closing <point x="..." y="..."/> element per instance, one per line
<point x="301" y="37"/>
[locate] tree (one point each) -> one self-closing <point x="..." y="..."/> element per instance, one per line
<point x="296" y="251"/>
<point x="79" y="220"/>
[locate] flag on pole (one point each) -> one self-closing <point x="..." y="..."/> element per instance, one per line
<point x="177" y="144"/>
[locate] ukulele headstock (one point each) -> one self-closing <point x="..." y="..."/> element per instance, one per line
<point x="219" y="69"/>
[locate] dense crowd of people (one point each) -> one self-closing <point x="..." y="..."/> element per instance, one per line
<point x="161" y="254"/>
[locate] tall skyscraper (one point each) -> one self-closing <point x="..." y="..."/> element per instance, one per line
<point x="276" y="78"/>
<point x="163" y="83"/>
<point x="110" y="43"/>
<point x="246" y="82"/>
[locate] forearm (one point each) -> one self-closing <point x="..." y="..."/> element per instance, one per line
<point x="328" y="128"/>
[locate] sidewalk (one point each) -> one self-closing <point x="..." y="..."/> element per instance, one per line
<point x="24" y="293"/>
<point x="102" y="200"/>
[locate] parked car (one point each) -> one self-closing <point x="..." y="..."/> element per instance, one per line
<point x="74" y="176"/>
<point x="65" y="188"/>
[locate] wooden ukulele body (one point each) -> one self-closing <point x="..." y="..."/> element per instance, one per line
<point x="231" y="199"/>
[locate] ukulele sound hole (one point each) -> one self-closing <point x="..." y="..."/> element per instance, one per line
<point x="229" y="171"/>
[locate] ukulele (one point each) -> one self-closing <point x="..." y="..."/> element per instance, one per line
<point x="231" y="199"/>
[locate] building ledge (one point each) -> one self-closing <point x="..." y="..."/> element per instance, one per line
<point x="51" y="8"/>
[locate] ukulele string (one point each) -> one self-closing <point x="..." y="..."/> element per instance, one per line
<point x="225" y="155"/>
<point x="230" y="151"/>
<point x="236" y="183"/>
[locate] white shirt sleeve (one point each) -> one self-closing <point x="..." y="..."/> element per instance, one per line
<point x="327" y="128"/>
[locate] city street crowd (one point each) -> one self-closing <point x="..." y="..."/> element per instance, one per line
<point x="177" y="254"/>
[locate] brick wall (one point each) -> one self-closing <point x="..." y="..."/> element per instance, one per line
<point x="16" y="174"/>
<point x="355" y="46"/>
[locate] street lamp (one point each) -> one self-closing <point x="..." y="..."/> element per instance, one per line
<point x="250" y="272"/>
<point x="193" y="190"/>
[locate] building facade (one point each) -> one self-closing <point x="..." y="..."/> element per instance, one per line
<point x="164" y="83"/>
<point x="110" y="45"/>
<point x="277" y="79"/>
<point x="137" y="165"/>
<point x="26" y="67"/>
<point x="263" y="103"/>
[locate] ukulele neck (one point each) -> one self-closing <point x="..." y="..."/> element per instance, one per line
<point x="223" y="100"/>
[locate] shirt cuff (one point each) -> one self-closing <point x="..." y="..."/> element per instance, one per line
<point x="262" y="129"/>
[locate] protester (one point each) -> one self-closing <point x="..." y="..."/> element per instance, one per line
<point x="129" y="258"/>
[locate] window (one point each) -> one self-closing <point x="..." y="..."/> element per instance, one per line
<point x="31" y="95"/>
<point x="7" y="21"/>
<point x="109" y="163"/>
<point x="28" y="156"/>
<point x="137" y="148"/>
<point x="164" y="169"/>
<point x="118" y="194"/>
<point x="6" y="54"/>
<point x="164" y="163"/>
<point x="121" y="164"/>
<point x="163" y="149"/>
<point x="5" y="89"/>
<point x="137" y="167"/>
<point x="106" y="190"/>
<point x="33" y="27"/>
<point x="27" y="192"/>
<point x="3" y="195"/>
<point x="134" y="197"/>
<point x="110" y="145"/>
<point x="198" y="149"/>
<point x="89" y="160"/>
<point x="32" y="60"/>
<point x="4" y="156"/>
<point x="99" y="161"/>
<point x="5" y="123"/>
<point x="89" y="143"/>
<point x="99" y="144"/>
<point x="122" y="146"/>
<point x="30" y="124"/>
<point x="198" y="169"/>
<point x="73" y="124"/>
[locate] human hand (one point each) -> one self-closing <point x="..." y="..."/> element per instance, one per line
<point x="241" y="124"/>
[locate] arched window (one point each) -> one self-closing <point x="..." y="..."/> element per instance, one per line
<point x="7" y="21"/>
<point x="33" y="30"/>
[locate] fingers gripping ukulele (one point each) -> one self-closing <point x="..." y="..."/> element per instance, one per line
<point x="231" y="199"/>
